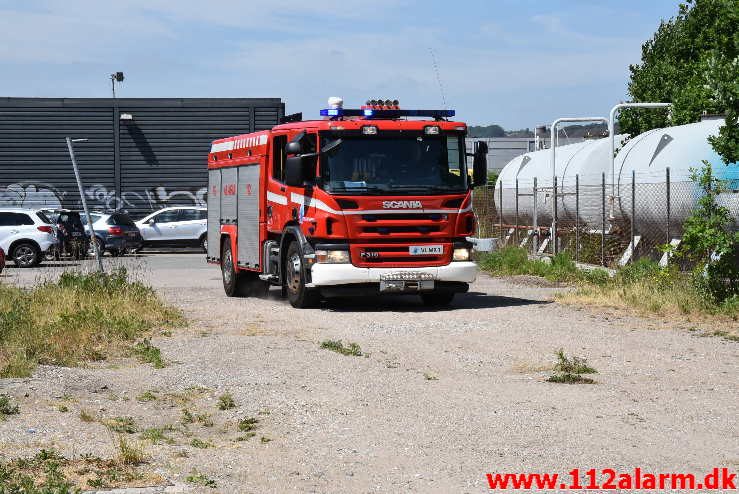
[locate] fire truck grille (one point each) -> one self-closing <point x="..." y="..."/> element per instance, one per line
<point x="396" y="255"/>
<point x="404" y="217"/>
<point x="422" y="229"/>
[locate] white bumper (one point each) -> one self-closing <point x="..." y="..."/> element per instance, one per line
<point x="345" y="274"/>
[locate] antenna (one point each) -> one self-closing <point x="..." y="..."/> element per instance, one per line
<point x="438" y="77"/>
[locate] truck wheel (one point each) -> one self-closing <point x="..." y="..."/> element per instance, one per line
<point x="230" y="276"/>
<point x="298" y="295"/>
<point x="244" y="284"/>
<point x="438" y="299"/>
<point x="26" y="255"/>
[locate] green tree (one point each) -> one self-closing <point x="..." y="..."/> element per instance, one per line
<point x="692" y="61"/>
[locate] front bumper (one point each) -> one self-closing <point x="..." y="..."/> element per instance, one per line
<point x="346" y="274"/>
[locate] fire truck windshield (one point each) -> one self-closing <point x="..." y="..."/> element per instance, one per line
<point x="418" y="164"/>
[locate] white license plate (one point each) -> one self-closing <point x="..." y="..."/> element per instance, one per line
<point x="426" y="250"/>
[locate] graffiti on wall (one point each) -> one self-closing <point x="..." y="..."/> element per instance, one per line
<point x="99" y="197"/>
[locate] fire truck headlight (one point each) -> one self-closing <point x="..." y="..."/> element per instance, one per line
<point x="461" y="254"/>
<point x="332" y="256"/>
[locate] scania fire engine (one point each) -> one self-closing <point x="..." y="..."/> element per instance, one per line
<point x="372" y="200"/>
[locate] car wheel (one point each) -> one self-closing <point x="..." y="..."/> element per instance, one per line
<point x="26" y="255"/>
<point x="437" y="299"/>
<point x="297" y="293"/>
<point x="204" y="243"/>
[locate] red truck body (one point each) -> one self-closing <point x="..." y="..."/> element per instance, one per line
<point x="344" y="205"/>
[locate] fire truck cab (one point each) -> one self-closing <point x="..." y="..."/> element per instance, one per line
<point x="374" y="200"/>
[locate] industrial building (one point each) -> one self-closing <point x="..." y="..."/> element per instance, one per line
<point x="141" y="154"/>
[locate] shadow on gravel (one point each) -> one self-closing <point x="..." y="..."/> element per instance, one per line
<point x="412" y="303"/>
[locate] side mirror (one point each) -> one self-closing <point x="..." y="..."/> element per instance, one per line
<point x="294" y="175"/>
<point x="480" y="164"/>
<point x="293" y="148"/>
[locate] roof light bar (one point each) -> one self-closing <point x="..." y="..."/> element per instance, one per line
<point x="373" y="113"/>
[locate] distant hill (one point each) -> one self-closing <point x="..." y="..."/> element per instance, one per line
<point x="572" y="131"/>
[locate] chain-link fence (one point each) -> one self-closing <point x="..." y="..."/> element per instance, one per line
<point x="595" y="221"/>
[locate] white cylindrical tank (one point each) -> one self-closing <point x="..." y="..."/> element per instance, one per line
<point x="587" y="159"/>
<point x="649" y="154"/>
<point x="681" y="148"/>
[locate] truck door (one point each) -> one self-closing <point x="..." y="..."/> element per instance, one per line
<point x="277" y="195"/>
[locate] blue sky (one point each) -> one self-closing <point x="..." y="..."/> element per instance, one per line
<point x="515" y="63"/>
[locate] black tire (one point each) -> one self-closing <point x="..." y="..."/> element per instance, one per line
<point x="26" y="255"/>
<point x="437" y="299"/>
<point x="228" y="272"/>
<point x="299" y="296"/>
<point x="203" y="242"/>
<point x="239" y="284"/>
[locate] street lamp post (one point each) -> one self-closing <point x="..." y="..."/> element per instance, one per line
<point x="98" y="255"/>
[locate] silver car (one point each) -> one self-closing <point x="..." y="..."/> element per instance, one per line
<point x="183" y="226"/>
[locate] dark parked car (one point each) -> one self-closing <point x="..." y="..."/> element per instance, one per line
<point x="115" y="233"/>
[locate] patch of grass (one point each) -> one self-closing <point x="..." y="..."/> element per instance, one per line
<point x="338" y="346"/>
<point x="130" y="452"/>
<point x="569" y="370"/>
<point x="86" y="416"/>
<point x="199" y="443"/>
<point x="80" y="317"/>
<point x="246" y="437"/>
<point x="50" y="473"/>
<point x="7" y="407"/>
<point x="247" y="424"/>
<point x="146" y="396"/>
<point x="158" y="434"/>
<point x="510" y="261"/>
<point x="201" y="479"/>
<point x="63" y="408"/>
<point x="148" y="353"/>
<point x="204" y="420"/>
<point x="187" y="417"/>
<point x="122" y="425"/>
<point x="226" y="402"/>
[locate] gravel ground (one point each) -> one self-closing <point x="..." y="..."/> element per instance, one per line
<point x="440" y="397"/>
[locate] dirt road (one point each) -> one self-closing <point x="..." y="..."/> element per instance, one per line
<point x="438" y="399"/>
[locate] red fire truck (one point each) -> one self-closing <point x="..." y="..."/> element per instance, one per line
<point x="371" y="200"/>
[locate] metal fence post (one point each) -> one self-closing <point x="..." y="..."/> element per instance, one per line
<point x="603" y="220"/>
<point x="667" y="184"/>
<point x="554" y="218"/>
<point x="633" y="213"/>
<point x="577" y="217"/>
<point x="516" y="211"/>
<point x="500" y="210"/>
<point x="536" y="219"/>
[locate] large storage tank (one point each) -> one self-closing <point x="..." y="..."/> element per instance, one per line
<point x="649" y="154"/>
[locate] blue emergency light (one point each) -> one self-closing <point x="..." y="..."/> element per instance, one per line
<point x="381" y="113"/>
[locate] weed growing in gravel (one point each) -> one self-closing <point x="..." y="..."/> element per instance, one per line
<point x="7" y="407"/>
<point x="63" y="408"/>
<point x="569" y="370"/>
<point x="226" y="402"/>
<point x="200" y="479"/>
<point x="187" y="417"/>
<point x="246" y="437"/>
<point x="86" y="416"/>
<point x="337" y="346"/>
<point x="50" y="473"/>
<point x="158" y="434"/>
<point x="78" y="318"/>
<point x="248" y="424"/>
<point x="148" y="353"/>
<point x="123" y="425"/>
<point x="199" y="443"/>
<point x="146" y="396"/>
<point x="204" y="420"/>
<point x="265" y="440"/>
<point x="430" y="377"/>
<point x="130" y="452"/>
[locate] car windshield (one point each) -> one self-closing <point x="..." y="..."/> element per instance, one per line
<point x="421" y="164"/>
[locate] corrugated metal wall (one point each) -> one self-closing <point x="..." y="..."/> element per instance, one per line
<point x="157" y="159"/>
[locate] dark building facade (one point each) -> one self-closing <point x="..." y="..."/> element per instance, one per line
<point x="140" y="154"/>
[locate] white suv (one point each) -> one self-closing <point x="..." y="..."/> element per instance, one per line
<point x="25" y="235"/>
<point x="175" y="227"/>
